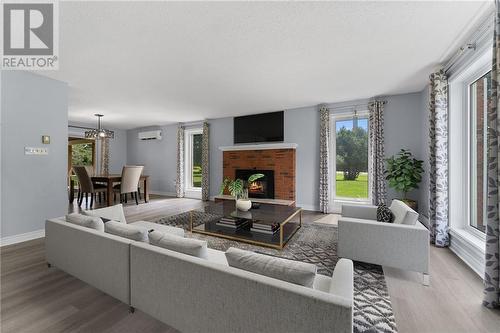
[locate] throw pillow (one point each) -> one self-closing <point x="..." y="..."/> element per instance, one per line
<point x="192" y="247"/>
<point x="126" y="230"/>
<point x="384" y="214"/>
<point x="91" y="222"/>
<point x="296" y="272"/>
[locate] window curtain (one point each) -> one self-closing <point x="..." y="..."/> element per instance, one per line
<point x="205" y="162"/>
<point x="179" y="182"/>
<point x="492" y="255"/>
<point x="438" y="159"/>
<point x="104" y="160"/>
<point x="377" y="178"/>
<point x="324" y="158"/>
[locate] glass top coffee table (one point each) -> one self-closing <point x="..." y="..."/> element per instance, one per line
<point x="269" y="225"/>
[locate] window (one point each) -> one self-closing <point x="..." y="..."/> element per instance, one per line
<point x="193" y="142"/>
<point x="479" y="95"/>
<point x="351" y="157"/>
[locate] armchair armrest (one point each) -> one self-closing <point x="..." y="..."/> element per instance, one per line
<point x="367" y="212"/>
<point x="343" y="279"/>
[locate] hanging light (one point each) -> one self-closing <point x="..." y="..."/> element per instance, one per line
<point x="99" y="133"/>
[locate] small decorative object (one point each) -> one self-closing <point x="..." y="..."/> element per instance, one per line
<point x="404" y="173"/>
<point x="239" y="190"/>
<point x="45" y="139"/>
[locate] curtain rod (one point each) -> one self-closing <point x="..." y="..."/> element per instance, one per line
<point x="478" y="39"/>
<point x="354" y="106"/>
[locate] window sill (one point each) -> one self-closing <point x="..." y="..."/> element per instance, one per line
<point x="468" y="247"/>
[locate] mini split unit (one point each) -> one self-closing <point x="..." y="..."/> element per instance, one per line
<point x="150" y="135"/>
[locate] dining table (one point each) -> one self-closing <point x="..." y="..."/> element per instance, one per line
<point x="110" y="179"/>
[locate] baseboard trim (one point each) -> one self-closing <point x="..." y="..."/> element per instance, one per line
<point x="167" y="194"/>
<point x="14" y="239"/>
<point x="469" y="253"/>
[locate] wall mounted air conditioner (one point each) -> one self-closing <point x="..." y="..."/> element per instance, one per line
<point x="150" y="135"/>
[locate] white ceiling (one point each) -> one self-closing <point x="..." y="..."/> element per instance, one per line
<point x="153" y="63"/>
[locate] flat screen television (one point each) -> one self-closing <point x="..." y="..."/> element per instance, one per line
<point x="263" y="127"/>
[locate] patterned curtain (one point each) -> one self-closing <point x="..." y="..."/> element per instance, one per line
<point x="324" y="158"/>
<point x="492" y="256"/>
<point x="438" y="159"/>
<point x="205" y="162"/>
<point x="376" y="121"/>
<point x="104" y="160"/>
<point x="179" y="182"/>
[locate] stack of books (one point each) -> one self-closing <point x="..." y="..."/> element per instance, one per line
<point x="232" y="222"/>
<point x="265" y="227"/>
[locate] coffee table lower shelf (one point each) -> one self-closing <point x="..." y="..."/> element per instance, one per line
<point x="288" y="229"/>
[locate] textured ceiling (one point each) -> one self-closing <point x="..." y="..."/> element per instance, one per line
<point x="152" y="63"/>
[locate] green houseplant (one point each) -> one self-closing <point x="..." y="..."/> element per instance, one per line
<point x="239" y="190"/>
<point x="404" y="173"/>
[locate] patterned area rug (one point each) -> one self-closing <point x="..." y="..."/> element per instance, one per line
<point x="317" y="243"/>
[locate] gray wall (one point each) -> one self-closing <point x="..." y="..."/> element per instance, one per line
<point x="423" y="197"/>
<point x="405" y="121"/>
<point x="117" y="146"/>
<point x="405" y="127"/>
<point x="33" y="187"/>
<point x="157" y="156"/>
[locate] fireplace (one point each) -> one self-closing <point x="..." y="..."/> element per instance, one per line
<point x="261" y="188"/>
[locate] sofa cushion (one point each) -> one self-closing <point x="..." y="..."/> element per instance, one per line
<point x="159" y="227"/>
<point x="192" y="247"/>
<point x="114" y="213"/>
<point x="282" y="269"/>
<point x="91" y="222"/>
<point x="402" y="213"/>
<point x="127" y="231"/>
<point x="384" y="214"/>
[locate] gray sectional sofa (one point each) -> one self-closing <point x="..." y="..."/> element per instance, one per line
<point x="194" y="294"/>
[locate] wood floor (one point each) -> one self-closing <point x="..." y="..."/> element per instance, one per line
<point x="37" y="299"/>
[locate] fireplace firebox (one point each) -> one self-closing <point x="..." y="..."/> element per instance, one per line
<point x="261" y="188"/>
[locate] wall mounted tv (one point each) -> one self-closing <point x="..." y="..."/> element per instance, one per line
<point x="263" y="127"/>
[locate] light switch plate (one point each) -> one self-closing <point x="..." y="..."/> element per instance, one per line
<point x="36" y="151"/>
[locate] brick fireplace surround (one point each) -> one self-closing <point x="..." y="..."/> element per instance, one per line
<point x="282" y="161"/>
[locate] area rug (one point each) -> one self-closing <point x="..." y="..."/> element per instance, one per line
<point x="317" y="243"/>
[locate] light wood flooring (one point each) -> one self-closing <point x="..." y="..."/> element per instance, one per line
<point x="37" y="299"/>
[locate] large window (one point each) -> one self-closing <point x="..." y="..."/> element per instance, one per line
<point x="479" y="93"/>
<point x="193" y="141"/>
<point x="351" y="157"/>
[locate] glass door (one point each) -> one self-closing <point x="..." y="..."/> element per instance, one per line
<point x="350" y="158"/>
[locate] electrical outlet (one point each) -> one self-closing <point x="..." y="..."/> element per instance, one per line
<point x="36" y="151"/>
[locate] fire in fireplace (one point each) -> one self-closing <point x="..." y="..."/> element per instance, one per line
<point x="261" y="188"/>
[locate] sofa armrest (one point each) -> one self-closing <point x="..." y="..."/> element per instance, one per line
<point x="368" y="212"/>
<point x="343" y="279"/>
<point x="395" y="245"/>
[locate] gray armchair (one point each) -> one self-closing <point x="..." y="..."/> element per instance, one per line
<point x="403" y="244"/>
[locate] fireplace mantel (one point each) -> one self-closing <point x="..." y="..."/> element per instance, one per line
<point x="262" y="146"/>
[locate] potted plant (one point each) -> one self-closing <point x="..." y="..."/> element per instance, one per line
<point x="404" y="173"/>
<point x="239" y="190"/>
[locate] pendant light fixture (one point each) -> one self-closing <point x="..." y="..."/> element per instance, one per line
<point x="99" y="132"/>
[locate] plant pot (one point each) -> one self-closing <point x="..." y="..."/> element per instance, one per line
<point x="243" y="204"/>
<point x="411" y="203"/>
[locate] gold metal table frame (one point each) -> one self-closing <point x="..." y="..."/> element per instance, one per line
<point x="279" y="246"/>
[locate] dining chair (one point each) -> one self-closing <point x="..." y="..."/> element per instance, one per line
<point x="87" y="186"/>
<point x="129" y="182"/>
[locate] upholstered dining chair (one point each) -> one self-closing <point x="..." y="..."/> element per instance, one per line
<point x="87" y="186"/>
<point x="129" y="183"/>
